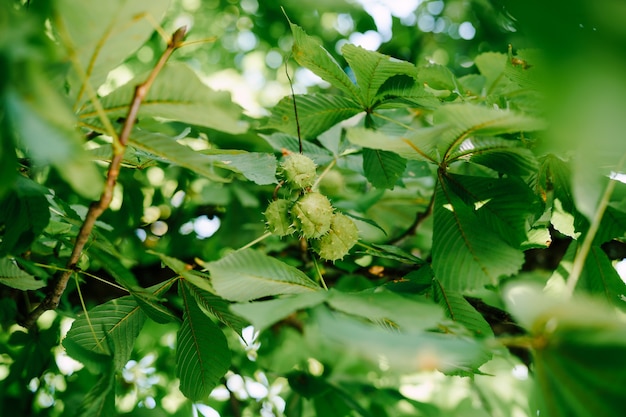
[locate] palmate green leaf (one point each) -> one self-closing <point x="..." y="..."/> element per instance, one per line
<point x="389" y="308"/>
<point x="466" y="119"/>
<point x="110" y="331"/>
<point x="100" y="400"/>
<point x="24" y="214"/>
<point x="382" y="168"/>
<point x="262" y="314"/>
<point x="202" y="353"/>
<point x="501" y="155"/>
<point x="316" y="114"/>
<point x="466" y="255"/>
<point x="372" y="69"/>
<point x="176" y="94"/>
<point x="12" y="276"/>
<point x="403" y="91"/>
<point x="247" y="274"/>
<point x="502" y="204"/>
<point x="102" y="35"/>
<point x="459" y="310"/>
<point x="580" y="351"/>
<point x="491" y="66"/>
<point x="419" y="145"/>
<point x="309" y="53"/>
<point x="438" y="77"/>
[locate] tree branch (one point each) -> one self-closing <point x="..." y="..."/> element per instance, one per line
<point x="419" y="219"/>
<point x="51" y="301"/>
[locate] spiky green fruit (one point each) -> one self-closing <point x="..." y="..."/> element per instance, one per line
<point x="299" y="171"/>
<point x="277" y="217"/>
<point x="341" y="237"/>
<point x="312" y="214"/>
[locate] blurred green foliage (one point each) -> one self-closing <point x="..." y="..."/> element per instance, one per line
<point x="487" y="148"/>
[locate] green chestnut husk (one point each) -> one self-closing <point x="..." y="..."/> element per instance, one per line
<point x="277" y="218"/>
<point x="341" y="237"/>
<point x="312" y="214"/>
<point x="299" y="171"/>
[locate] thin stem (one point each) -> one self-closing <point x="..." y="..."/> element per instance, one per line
<point x="104" y="281"/>
<point x="581" y="256"/>
<point x="319" y="273"/>
<point x="419" y="219"/>
<point x="295" y="107"/>
<point x="51" y="301"/>
<point x="326" y="171"/>
<point x="82" y="303"/>
<point x="255" y="241"/>
<point x="389" y="119"/>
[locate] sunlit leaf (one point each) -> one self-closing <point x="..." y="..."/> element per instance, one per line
<point x="102" y="35"/>
<point x="133" y="158"/>
<point x="43" y="124"/>
<point x="372" y="69"/>
<point x="579" y="351"/>
<point x="248" y="274"/>
<point x="501" y="155"/>
<point x="491" y="66"/>
<point x="418" y="145"/>
<point x="467" y="119"/>
<point x="202" y="353"/>
<point x="257" y="167"/>
<point x="407" y="314"/>
<point x="438" y="77"/>
<point x="309" y="53"/>
<point x="166" y="148"/>
<point x="262" y="314"/>
<point x="403" y="353"/>
<point x="176" y="94"/>
<point x="316" y="114"/>
<point x="404" y="91"/>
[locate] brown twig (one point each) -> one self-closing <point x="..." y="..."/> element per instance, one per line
<point x="419" y="219"/>
<point x="51" y="301"/>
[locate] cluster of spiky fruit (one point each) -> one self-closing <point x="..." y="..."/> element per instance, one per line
<point x="309" y="213"/>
